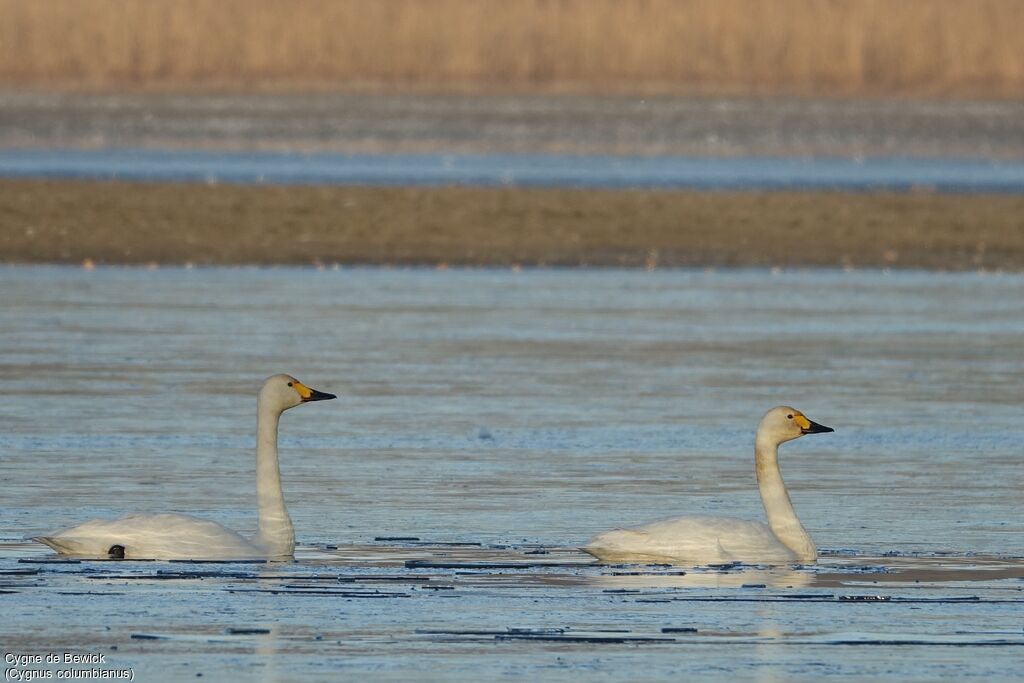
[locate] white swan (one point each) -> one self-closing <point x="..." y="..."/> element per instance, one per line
<point x="703" y="540"/>
<point x="173" y="536"/>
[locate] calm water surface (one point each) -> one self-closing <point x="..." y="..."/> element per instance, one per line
<point x="520" y="412"/>
<point x="522" y="170"/>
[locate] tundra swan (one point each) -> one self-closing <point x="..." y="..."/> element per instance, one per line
<point x="173" y="536"/>
<point x="702" y="540"/>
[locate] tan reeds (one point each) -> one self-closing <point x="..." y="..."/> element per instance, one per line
<point x="931" y="47"/>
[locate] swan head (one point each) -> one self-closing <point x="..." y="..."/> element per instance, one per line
<point x="784" y="423"/>
<point x="282" y="392"/>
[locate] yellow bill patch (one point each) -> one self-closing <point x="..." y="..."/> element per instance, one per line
<point x="802" y="421"/>
<point x="304" y="391"/>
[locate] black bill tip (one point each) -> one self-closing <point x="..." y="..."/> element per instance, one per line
<point x="315" y="395"/>
<point x="816" y="428"/>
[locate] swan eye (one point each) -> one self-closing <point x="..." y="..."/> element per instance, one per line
<point x="289" y="384"/>
<point x="788" y="417"/>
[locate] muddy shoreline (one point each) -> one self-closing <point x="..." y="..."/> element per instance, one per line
<point x="141" y="223"/>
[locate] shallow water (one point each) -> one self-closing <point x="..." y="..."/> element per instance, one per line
<point x="520" y="170"/>
<point x="521" y="412"/>
<point x="515" y="123"/>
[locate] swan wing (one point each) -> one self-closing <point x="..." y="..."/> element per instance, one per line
<point x="692" y="541"/>
<point x="153" y="537"/>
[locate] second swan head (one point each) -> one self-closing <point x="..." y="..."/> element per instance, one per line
<point x="281" y="392"/>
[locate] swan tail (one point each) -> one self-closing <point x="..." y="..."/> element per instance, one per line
<point x="615" y="546"/>
<point x="63" y="545"/>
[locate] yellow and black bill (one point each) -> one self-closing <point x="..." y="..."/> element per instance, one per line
<point x="308" y="394"/>
<point x="810" y="427"/>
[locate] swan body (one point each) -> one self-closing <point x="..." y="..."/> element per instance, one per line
<point x="693" y="540"/>
<point x="696" y="541"/>
<point x="168" y="536"/>
<point x="161" y="536"/>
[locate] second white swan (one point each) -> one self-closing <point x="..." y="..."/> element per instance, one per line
<point x="696" y="541"/>
<point x="174" y="536"/>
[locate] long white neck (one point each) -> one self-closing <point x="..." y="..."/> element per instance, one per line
<point x="781" y="517"/>
<point x="276" y="536"/>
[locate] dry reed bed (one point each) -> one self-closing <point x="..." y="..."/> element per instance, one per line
<point x="930" y="47"/>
